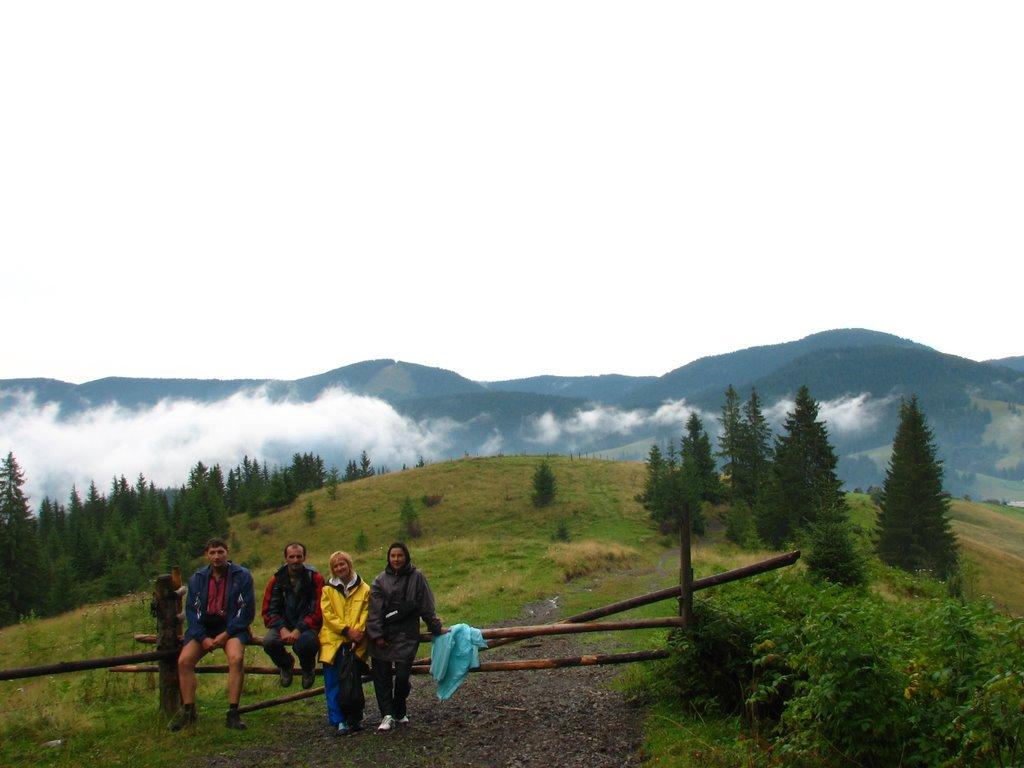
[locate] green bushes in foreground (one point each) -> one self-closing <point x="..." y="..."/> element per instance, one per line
<point x="823" y="675"/>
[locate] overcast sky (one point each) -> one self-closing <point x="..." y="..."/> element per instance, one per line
<point x="258" y="190"/>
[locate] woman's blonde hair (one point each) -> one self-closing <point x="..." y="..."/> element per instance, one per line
<point x="337" y="557"/>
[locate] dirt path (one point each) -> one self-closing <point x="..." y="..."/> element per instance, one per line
<point x="569" y="717"/>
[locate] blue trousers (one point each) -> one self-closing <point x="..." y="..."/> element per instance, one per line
<point x="338" y="711"/>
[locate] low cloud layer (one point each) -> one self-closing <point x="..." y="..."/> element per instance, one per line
<point x="846" y="415"/>
<point x="165" y="441"/>
<point x="597" y="421"/>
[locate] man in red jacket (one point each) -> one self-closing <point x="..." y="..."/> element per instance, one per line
<point x="291" y="613"/>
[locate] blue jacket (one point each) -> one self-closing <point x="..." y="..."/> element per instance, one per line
<point x="241" y="603"/>
<point x="453" y="655"/>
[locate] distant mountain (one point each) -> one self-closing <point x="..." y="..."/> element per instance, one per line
<point x="858" y="375"/>
<point x="884" y="370"/>
<point x="747" y="365"/>
<point x="1017" y="363"/>
<point x="135" y="393"/>
<point x="608" y="388"/>
<point x="945" y="385"/>
<point x="390" y="380"/>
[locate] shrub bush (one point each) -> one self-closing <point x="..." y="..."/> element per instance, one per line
<point x="831" y="676"/>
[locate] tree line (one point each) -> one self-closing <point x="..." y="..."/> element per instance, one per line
<point x="782" y="489"/>
<point x="107" y="544"/>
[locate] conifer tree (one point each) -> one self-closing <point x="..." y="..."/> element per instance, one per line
<point x="753" y="454"/>
<point x="652" y="497"/>
<point x="730" y="439"/>
<point x="913" y="525"/>
<point x="803" y="480"/>
<point x="21" y="580"/>
<point x="544" y="485"/>
<point x="333" y="478"/>
<point x="698" y="463"/>
<point x="365" y="466"/>
<point x="699" y="479"/>
<point x="410" y="519"/>
<point x="362" y="542"/>
<point x="832" y="553"/>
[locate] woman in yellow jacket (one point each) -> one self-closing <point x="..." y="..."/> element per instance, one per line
<point x="345" y="603"/>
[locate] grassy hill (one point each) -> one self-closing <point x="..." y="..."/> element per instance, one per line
<point x="487" y="552"/>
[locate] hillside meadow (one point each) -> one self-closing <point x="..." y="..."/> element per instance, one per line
<point x="487" y="552"/>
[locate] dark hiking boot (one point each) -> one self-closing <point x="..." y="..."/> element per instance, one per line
<point x="234" y="721"/>
<point x="183" y="718"/>
<point x="308" y="678"/>
<point x="286" y="676"/>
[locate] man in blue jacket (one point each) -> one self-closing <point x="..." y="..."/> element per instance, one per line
<point x="219" y="609"/>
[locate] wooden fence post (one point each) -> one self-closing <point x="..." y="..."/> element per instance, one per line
<point x="168" y="632"/>
<point x="685" y="570"/>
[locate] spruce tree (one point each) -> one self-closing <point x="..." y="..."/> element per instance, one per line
<point x="544" y="485"/>
<point x="21" y="580"/>
<point x="730" y="439"/>
<point x="653" y="496"/>
<point x="333" y="478"/>
<point x="362" y="542"/>
<point x="832" y="553"/>
<point x="699" y="477"/>
<point x="913" y="525"/>
<point x="410" y="519"/>
<point x="366" y="466"/>
<point x="698" y="461"/>
<point x="753" y="454"/>
<point x="803" y="480"/>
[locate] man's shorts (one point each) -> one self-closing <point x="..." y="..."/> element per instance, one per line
<point x="214" y="626"/>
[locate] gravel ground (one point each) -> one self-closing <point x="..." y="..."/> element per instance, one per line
<point x="568" y="717"/>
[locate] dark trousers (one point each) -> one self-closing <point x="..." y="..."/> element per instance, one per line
<point x="391" y="686"/>
<point x="306" y="648"/>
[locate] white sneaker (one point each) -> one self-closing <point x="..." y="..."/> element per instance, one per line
<point x="386" y="724"/>
<point x="403" y="720"/>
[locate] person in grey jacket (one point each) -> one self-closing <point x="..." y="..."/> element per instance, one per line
<point x="399" y="598"/>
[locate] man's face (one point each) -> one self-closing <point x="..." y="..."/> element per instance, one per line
<point x="397" y="558"/>
<point x="217" y="556"/>
<point x="295" y="557"/>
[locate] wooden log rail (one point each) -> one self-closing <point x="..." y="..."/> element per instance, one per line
<point x="87" y="664"/>
<point x="746" y="571"/>
<point x="538" y="629"/>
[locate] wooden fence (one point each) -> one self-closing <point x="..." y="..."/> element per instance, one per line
<point x="167" y="605"/>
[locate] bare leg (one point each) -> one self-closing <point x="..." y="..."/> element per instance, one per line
<point x="235" y="652"/>
<point x="190" y="654"/>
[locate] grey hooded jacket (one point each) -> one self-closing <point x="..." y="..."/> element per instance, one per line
<point x="407" y="592"/>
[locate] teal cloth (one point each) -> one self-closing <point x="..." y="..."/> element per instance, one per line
<point x="452" y="655"/>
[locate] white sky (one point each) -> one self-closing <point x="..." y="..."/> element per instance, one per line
<point x="257" y="190"/>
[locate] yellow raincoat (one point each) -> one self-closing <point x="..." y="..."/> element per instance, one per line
<point x="340" y="613"/>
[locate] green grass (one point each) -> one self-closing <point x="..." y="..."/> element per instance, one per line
<point x="487" y="552"/>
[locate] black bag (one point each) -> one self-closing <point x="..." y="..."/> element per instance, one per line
<point x="350" y="683"/>
<point x="398" y="606"/>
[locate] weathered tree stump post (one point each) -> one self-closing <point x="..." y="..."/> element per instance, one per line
<point x="166" y="605"/>
<point x="685" y="571"/>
